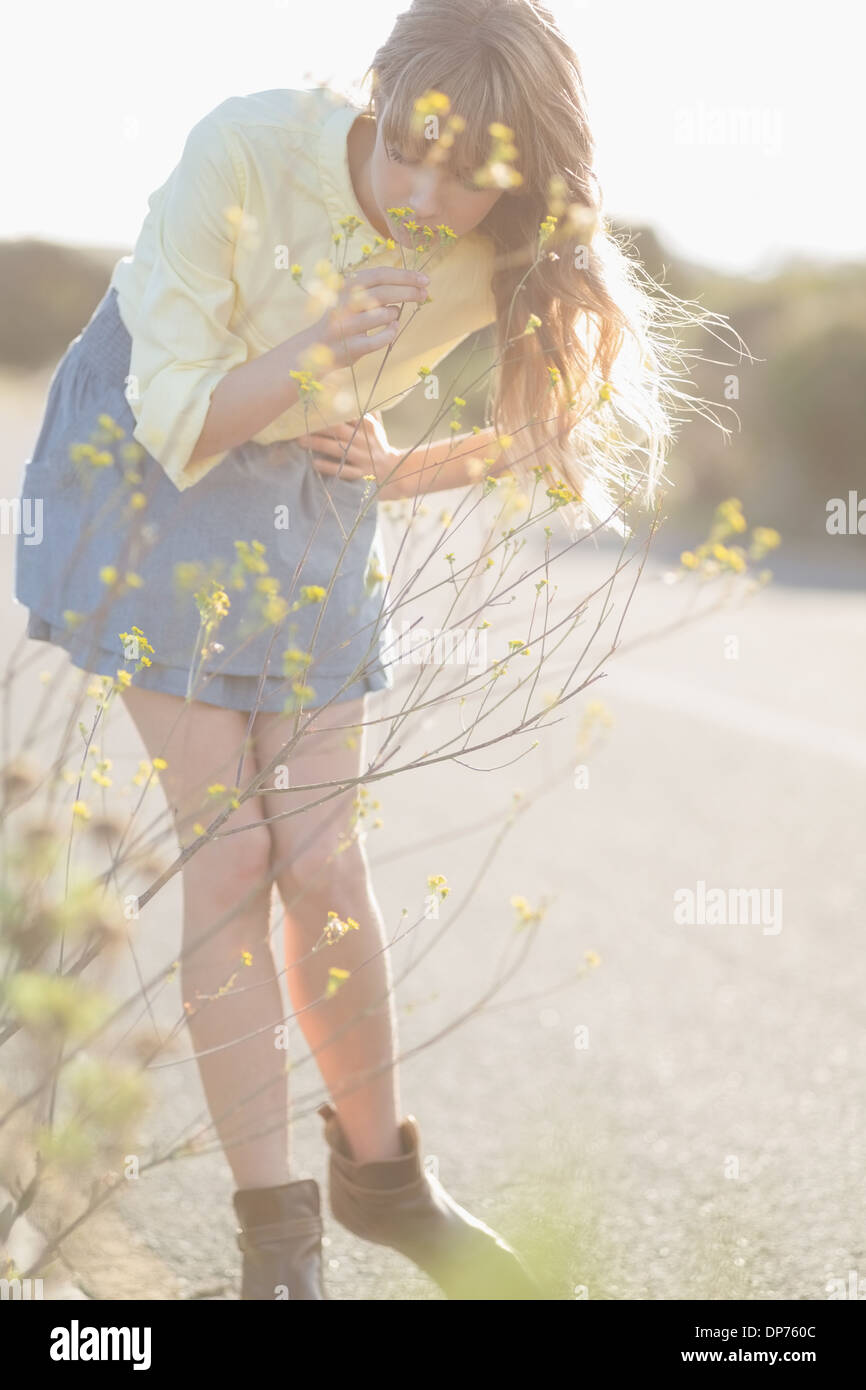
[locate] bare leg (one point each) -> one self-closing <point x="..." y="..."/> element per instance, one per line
<point x="202" y="746"/>
<point x="310" y="886"/>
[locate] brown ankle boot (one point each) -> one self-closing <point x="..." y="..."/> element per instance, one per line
<point x="396" y="1202"/>
<point x="281" y="1238"/>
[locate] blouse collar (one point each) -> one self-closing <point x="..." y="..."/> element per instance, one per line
<point x="333" y="162"/>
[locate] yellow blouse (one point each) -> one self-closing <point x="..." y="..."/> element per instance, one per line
<point x="261" y="186"/>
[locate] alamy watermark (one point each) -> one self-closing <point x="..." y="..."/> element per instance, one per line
<point x="76" y="1343"/>
<point x="846" y="517"/>
<point x="854" y="1287"/>
<point x="703" y="906"/>
<point x="17" y="518"/>
<point x="24" y="1289"/>
<point x="760" y="126"/>
<point x="421" y="646"/>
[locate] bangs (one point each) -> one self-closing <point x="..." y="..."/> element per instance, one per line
<point x="477" y="102"/>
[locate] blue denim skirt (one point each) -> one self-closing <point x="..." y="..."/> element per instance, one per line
<point x="262" y="585"/>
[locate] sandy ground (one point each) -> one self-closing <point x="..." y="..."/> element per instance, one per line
<point x="707" y="1141"/>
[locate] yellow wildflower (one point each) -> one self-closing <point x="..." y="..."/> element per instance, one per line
<point x="766" y="537"/>
<point x="336" y="978"/>
<point x="432" y="103"/>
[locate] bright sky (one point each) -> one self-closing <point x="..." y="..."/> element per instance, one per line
<point x="736" y="130"/>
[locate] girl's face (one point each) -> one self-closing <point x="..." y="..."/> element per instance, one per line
<point x="434" y="192"/>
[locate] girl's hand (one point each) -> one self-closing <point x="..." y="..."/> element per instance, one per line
<point x="354" y="450"/>
<point x="365" y="316"/>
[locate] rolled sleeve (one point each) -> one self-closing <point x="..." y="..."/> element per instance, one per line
<point x="181" y="343"/>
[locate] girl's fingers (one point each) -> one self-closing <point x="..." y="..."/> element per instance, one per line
<point x="351" y="438"/>
<point x="383" y="274"/>
<point x="360" y="344"/>
<point x="372" y="318"/>
<point x="345" y="430"/>
<point x="336" y="449"/>
<point x="319" y="441"/>
<point x="365" y="297"/>
<point x="325" y="466"/>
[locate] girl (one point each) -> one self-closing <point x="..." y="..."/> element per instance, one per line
<point x="205" y="465"/>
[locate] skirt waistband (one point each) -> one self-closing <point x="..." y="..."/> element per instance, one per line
<point x="104" y="341"/>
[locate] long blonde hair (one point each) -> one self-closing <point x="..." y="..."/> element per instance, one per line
<point x="587" y="357"/>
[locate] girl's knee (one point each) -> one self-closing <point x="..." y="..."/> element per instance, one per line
<point x="232" y="863"/>
<point x="324" y="868"/>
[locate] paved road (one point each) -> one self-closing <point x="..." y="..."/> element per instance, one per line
<point x="708" y="1141"/>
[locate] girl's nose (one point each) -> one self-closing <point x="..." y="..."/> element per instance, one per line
<point x="425" y="194"/>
